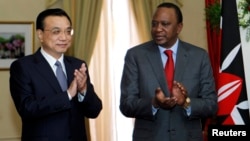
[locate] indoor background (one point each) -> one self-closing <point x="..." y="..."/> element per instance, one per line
<point x="114" y="36"/>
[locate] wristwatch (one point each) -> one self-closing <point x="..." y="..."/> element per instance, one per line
<point x="187" y="103"/>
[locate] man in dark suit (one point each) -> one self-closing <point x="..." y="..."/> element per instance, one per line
<point x="48" y="112"/>
<point x="162" y="113"/>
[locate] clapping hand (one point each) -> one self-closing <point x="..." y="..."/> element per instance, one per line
<point x="79" y="82"/>
<point x="179" y="92"/>
<point x="178" y="97"/>
<point x="81" y="78"/>
<point x="161" y="101"/>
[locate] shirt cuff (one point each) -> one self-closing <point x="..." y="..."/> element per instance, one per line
<point x="81" y="96"/>
<point x="188" y="110"/>
<point x="69" y="95"/>
<point x="154" y="110"/>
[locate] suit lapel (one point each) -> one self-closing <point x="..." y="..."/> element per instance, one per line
<point x="154" y="58"/>
<point x="43" y="67"/>
<point x="69" y="69"/>
<point x="181" y="61"/>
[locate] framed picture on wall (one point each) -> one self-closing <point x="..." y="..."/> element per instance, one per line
<point x="16" y="41"/>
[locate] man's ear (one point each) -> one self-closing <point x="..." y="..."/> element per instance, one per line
<point x="180" y="26"/>
<point x="39" y="33"/>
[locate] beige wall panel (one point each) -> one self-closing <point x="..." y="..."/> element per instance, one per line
<point x="14" y="10"/>
<point x="194" y="29"/>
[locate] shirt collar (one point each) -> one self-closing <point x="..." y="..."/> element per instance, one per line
<point x="51" y="60"/>
<point x="173" y="48"/>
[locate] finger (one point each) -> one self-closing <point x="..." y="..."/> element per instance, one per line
<point x="80" y="75"/>
<point x="81" y="82"/>
<point x="169" y="103"/>
<point x="83" y="68"/>
<point x="157" y="90"/>
<point x="179" y="85"/>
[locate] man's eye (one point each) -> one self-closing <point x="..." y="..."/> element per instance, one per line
<point x="154" y="24"/>
<point x="69" y="32"/>
<point x="165" y="24"/>
<point x="56" y="32"/>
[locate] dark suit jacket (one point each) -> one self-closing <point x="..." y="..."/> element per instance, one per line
<point x="47" y="113"/>
<point x="143" y="73"/>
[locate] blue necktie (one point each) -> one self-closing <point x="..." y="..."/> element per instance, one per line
<point x="61" y="76"/>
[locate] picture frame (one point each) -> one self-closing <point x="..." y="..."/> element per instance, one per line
<point x="16" y="41"/>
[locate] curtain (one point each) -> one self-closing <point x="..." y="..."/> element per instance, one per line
<point x="87" y="15"/>
<point x="86" y="18"/>
<point x="214" y="43"/>
<point x="50" y="3"/>
<point x="143" y="11"/>
<point x="115" y="37"/>
<point x="116" y="34"/>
